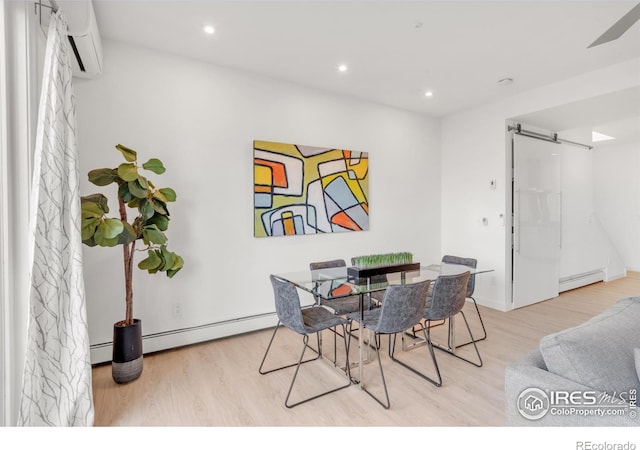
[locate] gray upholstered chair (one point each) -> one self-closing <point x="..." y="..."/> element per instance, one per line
<point x="446" y="300"/>
<point x="342" y="305"/>
<point x="304" y="321"/>
<point x="472" y="263"/>
<point x="402" y="307"/>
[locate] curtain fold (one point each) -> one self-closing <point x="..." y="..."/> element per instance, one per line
<point x="56" y="389"/>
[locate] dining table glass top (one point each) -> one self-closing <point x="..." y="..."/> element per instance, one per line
<point x="335" y="282"/>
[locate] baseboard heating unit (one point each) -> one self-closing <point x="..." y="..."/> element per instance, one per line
<point x="582" y="279"/>
<point x="102" y="352"/>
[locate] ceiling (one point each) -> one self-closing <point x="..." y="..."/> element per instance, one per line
<point x="394" y="50"/>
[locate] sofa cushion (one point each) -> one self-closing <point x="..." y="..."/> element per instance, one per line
<point x="600" y="352"/>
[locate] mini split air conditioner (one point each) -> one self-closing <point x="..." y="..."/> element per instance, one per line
<point x="84" y="37"/>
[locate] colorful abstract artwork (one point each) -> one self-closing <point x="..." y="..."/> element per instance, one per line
<point x="300" y="189"/>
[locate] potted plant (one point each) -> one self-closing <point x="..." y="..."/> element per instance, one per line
<point x="137" y="192"/>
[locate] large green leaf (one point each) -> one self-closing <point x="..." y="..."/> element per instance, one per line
<point x="151" y="262"/>
<point x="103" y="177"/>
<point x="129" y="154"/>
<point x="177" y="265"/>
<point x="162" y="222"/>
<point x="91" y="242"/>
<point x="100" y="236"/>
<point x="91" y="210"/>
<point x="159" y="256"/>
<point x="128" y="171"/>
<point x="146" y="209"/>
<point x="124" y="193"/>
<point x="159" y="206"/>
<point x="111" y="228"/>
<point x="155" y="166"/>
<point x="165" y="194"/>
<point x="136" y="189"/>
<point x="128" y="234"/>
<point x="168" y="257"/>
<point x="135" y="202"/>
<point x="89" y="227"/>
<point x="152" y="235"/>
<point x="143" y="182"/>
<point x="94" y="205"/>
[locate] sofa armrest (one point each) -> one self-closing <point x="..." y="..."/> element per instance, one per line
<point x="530" y="372"/>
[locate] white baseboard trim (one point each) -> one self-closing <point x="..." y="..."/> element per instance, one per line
<point x="490" y="304"/>
<point x="615" y="276"/>
<point x="101" y="353"/>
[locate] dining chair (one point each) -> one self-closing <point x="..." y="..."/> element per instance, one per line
<point x="447" y="299"/>
<point x="401" y="308"/>
<point x="472" y="263"/>
<point x="341" y="305"/>
<point x="303" y="321"/>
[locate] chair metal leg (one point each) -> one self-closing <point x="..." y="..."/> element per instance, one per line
<point x="386" y="404"/>
<point x="427" y="339"/>
<point x="484" y="330"/>
<point x="305" y="341"/>
<point x="264" y="358"/>
<point x="451" y="351"/>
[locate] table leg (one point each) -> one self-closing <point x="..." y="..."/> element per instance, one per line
<point x="361" y="338"/>
<point x="452" y="334"/>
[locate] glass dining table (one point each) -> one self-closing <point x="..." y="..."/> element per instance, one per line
<point x="333" y="283"/>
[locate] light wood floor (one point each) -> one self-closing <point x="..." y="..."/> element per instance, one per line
<point x="217" y="383"/>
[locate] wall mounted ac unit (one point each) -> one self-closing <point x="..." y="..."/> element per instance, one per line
<point x="84" y="37"/>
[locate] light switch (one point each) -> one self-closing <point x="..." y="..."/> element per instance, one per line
<point x="485" y="221"/>
<point x="492" y="184"/>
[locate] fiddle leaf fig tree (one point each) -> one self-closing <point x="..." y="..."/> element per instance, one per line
<point x="137" y="192"/>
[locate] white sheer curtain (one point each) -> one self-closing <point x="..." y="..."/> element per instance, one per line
<point x="56" y="387"/>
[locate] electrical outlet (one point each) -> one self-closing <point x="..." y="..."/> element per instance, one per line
<point x="176" y="310"/>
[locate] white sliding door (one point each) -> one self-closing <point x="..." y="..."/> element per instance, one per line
<point x="537" y="205"/>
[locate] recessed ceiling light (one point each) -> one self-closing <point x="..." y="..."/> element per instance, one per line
<point x="209" y="29"/>
<point x="597" y="137"/>
<point x="342" y="67"/>
<point x="428" y="94"/>
<point x="505" y="81"/>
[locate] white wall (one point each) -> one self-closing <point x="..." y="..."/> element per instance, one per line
<point x="201" y="120"/>
<point x="586" y="245"/>
<point x="617" y="197"/>
<point x="475" y="149"/>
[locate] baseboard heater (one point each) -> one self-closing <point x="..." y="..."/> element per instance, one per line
<point x="582" y="279"/>
<point x="101" y="353"/>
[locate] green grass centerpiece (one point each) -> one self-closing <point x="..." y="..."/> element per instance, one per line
<point x="379" y="264"/>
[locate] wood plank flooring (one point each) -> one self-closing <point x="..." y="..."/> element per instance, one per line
<point x="217" y="383"/>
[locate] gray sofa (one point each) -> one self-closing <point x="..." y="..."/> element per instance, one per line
<point x="583" y="376"/>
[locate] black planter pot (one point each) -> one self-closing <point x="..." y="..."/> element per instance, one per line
<point x="126" y="363"/>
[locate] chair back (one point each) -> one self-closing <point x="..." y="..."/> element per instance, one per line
<point x="288" y="305"/>
<point x="448" y="296"/>
<point x="331" y="264"/>
<point x="402" y="307"/>
<point x="469" y="262"/>
<point x="327" y="264"/>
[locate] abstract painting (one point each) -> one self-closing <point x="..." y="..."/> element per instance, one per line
<point x="299" y="189"/>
